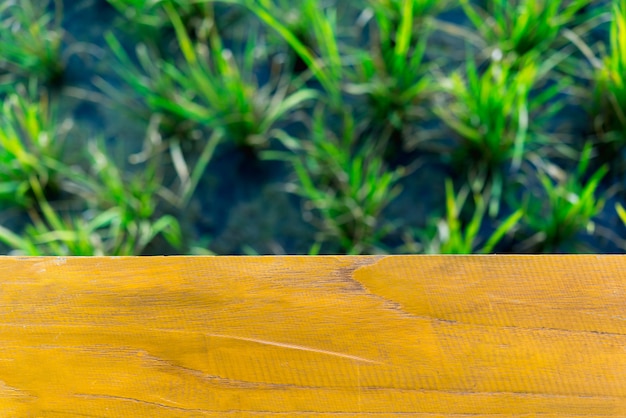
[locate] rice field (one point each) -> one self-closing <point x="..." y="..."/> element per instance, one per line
<point x="132" y="127"/>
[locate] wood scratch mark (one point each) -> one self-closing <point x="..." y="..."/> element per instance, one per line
<point x="136" y="400"/>
<point x="8" y="390"/>
<point x="297" y="347"/>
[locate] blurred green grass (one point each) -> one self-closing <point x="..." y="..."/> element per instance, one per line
<point x="364" y="117"/>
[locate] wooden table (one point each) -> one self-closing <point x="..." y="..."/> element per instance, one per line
<point x="419" y="336"/>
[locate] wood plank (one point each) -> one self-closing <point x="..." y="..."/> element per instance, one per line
<point x="424" y="336"/>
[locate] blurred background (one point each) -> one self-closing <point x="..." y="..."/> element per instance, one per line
<point x="312" y="127"/>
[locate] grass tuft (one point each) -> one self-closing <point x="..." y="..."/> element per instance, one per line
<point x="345" y="187"/>
<point x="31" y="40"/>
<point x="567" y="205"/>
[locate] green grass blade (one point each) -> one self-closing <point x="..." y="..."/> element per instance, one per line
<point x="621" y="212"/>
<point x="506" y="226"/>
<point x="403" y="37"/>
<point x="181" y="34"/>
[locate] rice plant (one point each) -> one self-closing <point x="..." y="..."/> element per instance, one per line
<point x="490" y="112"/>
<point x="496" y="117"/>
<point x="567" y="204"/>
<point x="31" y="40"/>
<point x="522" y="27"/>
<point x="371" y="72"/>
<point x="307" y="28"/>
<point x="345" y="188"/>
<point x="489" y="115"/>
<point x="31" y="135"/>
<point x="150" y="13"/>
<point x="230" y="99"/>
<point x="317" y="45"/>
<point x="150" y="87"/>
<point x="148" y="21"/>
<point x="52" y="233"/>
<point x="132" y="202"/>
<point x="391" y="76"/>
<point x="449" y="235"/>
<point x="610" y="85"/>
<point x="210" y="88"/>
<point x="86" y="232"/>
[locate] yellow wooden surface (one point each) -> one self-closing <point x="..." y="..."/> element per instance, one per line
<point x="449" y="336"/>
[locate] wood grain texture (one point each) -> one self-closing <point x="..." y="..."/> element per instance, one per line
<point x="432" y="336"/>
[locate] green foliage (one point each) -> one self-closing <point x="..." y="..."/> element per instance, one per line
<point x="522" y="27"/>
<point x="52" y="234"/>
<point x="490" y="113"/>
<point x="383" y="81"/>
<point x="82" y="234"/>
<point x="30" y="135"/>
<point x="134" y="201"/>
<point x="324" y="64"/>
<point x="150" y="13"/>
<point x="497" y="117"/>
<point x="31" y="40"/>
<point x="396" y="10"/>
<point x="610" y="89"/>
<point x="347" y="188"/>
<point x="391" y="75"/>
<point x="210" y="88"/>
<point x="621" y="212"/>
<point x="151" y="85"/>
<point x="451" y="236"/>
<point x="148" y="20"/>
<point x="566" y="207"/>
<point x="119" y="217"/>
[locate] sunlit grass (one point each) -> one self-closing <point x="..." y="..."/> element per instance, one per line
<point x="522" y="27"/>
<point x="323" y="60"/>
<point x="391" y="76"/>
<point x="31" y="134"/>
<point x="345" y="187"/>
<point x="86" y="233"/>
<point x="566" y="205"/>
<point x="489" y="112"/>
<point x="610" y="77"/>
<point x="497" y="117"/>
<point x="326" y="87"/>
<point x="118" y="212"/>
<point x="210" y="88"/>
<point x="449" y="235"/>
